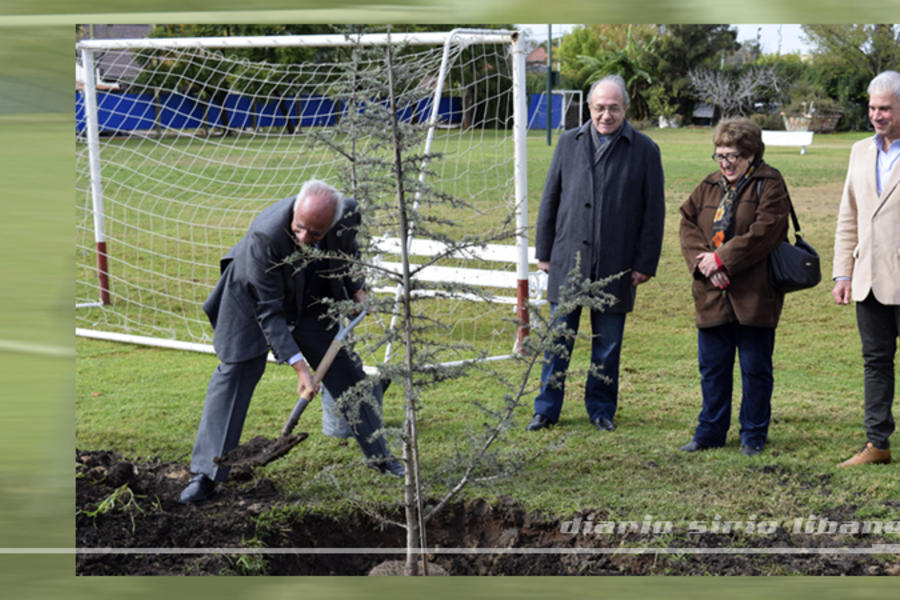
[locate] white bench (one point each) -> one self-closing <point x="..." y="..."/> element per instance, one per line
<point x="500" y="279"/>
<point x="788" y="138"/>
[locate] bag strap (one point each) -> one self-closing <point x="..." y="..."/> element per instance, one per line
<point x="794" y="219"/>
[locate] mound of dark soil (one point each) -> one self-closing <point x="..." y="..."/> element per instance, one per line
<point x="129" y="522"/>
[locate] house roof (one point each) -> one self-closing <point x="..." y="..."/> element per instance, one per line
<point x="115" y="65"/>
<point x="539" y="54"/>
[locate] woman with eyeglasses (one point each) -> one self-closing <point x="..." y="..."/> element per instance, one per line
<point x="729" y="225"/>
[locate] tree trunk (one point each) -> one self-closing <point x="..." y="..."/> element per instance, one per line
<point x="220" y="98"/>
<point x="288" y="123"/>
<point x="415" y="529"/>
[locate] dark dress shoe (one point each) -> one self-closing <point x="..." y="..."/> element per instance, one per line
<point x="603" y="424"/>
<point x="539" y="421"/>
<point x="751" y="450"/>
<point x="389" y="466"/>
<point x="198" y="490"/>
<point x="693" y="446"/>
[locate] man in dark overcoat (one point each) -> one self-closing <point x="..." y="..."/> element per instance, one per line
<point x="269" y="297"/>
<point x="602" y="208"/>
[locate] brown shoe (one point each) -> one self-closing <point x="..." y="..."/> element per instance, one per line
<point x="869" y="455"/>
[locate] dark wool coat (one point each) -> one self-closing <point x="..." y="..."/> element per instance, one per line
<point x="622" y="230"/>
<point x="760" y="224"/>
<point x="260" y="295"/>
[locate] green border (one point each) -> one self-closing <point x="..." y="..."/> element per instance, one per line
<point x="58" y="12"/>
<point x="36" y="430"/>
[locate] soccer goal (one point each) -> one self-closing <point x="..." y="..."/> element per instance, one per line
<point x="171" y="171"/>
<point x="565" y="110"/>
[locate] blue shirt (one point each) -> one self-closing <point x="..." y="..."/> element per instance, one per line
<point x="886" y="160"/>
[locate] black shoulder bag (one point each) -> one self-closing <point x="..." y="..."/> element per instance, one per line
<point x="794" y="266"/>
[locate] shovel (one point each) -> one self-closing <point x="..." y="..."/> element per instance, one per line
<point x="261" y="451"/>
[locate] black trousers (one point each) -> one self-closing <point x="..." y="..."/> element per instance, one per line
<point x="879" y="326"/>
<point x="231" y="388"/>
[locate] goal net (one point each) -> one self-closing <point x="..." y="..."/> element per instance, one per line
<point x="210" y="131"/>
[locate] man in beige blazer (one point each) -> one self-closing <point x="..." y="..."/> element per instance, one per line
<point x="867" y="260"/>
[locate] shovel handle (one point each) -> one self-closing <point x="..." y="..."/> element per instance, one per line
<point x="302" y="403"/>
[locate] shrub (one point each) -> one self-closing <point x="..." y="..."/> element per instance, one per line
<point x="768" y="121"/>
<point x="642" y="124"/>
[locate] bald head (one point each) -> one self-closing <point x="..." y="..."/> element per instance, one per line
<point x="317" y="208"/>
<point x="607" y="102"/>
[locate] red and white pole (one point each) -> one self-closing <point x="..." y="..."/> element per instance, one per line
<point x="520" y="112"/>
<point x="92" y="129"/>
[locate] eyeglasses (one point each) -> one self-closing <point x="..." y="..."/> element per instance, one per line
<point x="612" y="109"/>
<point x="730" y="157"/>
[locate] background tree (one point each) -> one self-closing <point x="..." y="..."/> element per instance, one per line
<point x="787" y="69"/>
<point x="626" y="60"/>
<point x="845" y="58"/>
<point x="681" y="48"/>
<point x="583" y="40"/>
<point x="866" y="49"/>
<point x="589" y="52"/>
<point x="656" y="57"/>
<point x="734" y="91"/>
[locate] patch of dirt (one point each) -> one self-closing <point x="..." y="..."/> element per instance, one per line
<point x="121" y="505"/>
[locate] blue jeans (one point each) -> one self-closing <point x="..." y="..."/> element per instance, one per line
<point x="600" y="397"/>
<point x="716" y="348"/>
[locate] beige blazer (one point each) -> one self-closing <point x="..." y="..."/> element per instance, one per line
<point x="867" y="239"/>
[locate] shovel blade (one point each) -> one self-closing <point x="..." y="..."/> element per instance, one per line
<point x="259" y="451"/>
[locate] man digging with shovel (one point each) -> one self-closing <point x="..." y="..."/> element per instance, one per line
<point x="265" y="300"/>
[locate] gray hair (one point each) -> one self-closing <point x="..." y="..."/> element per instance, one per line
<point x="616" y="79"/>
<point x="315" y="187"/>
<point x="886" y="81"/>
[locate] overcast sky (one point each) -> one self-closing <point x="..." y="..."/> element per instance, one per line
<point x="773" y="38"/>
<point x="787" y="38"/>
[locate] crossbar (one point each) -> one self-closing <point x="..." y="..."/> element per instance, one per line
<point x="462" y="36"/>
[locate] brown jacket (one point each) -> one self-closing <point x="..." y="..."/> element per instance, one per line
<point x="760" y="224"/>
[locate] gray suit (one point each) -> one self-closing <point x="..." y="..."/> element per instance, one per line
<point x="261" y="303"/>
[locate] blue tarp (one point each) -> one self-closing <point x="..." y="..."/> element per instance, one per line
<point x="130" y="112"/>
<point x="449" y="110"/>
<point x="537" y="111"/>
<point x="318" y="111"/>
<point x="117" y="112"/>
<point x="178" y="111"/>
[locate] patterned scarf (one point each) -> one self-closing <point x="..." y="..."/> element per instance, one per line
<point x="724" y="218"/>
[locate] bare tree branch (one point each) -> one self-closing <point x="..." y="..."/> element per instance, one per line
<point x="734" y="94"/>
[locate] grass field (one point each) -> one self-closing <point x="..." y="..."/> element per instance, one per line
<point x="145" y="402"/>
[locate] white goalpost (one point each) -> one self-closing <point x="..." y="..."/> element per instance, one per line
<point x="171" y="171"/>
